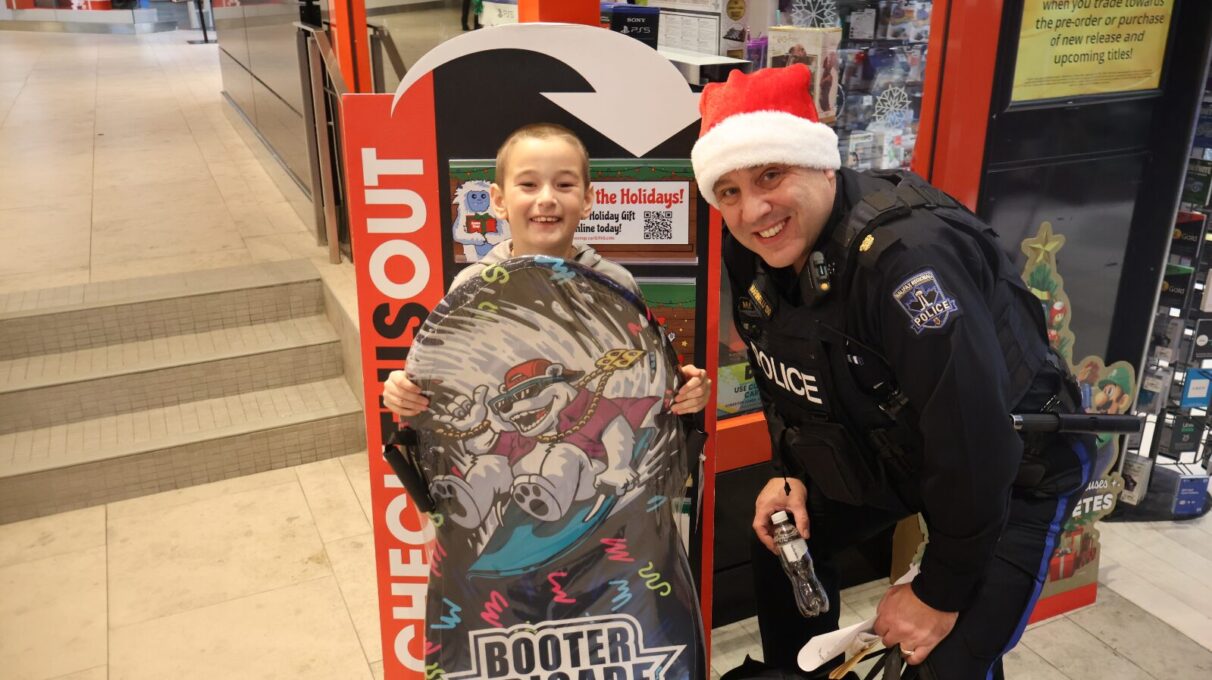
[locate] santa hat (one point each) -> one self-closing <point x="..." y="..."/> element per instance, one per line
<point x="758" y="118"/>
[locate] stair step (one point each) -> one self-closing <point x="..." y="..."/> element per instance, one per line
<point x="94" y="315"/>
<point x="81" y="463"/>
<point x="124" y="434"/>
<point x="43" y="390"/>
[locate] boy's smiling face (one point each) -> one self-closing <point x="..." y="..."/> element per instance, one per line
<point x="544" y="196"/>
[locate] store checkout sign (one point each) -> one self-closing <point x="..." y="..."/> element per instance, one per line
<point x="393" y="172"/>
<point x="1070" y="48"/>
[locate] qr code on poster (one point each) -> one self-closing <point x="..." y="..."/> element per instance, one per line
<point x="658" y="225"/>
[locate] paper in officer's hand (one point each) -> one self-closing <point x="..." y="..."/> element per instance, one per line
<point x="849" y="640"/>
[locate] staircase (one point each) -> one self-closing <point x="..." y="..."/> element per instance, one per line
<point x="126" y="388"/>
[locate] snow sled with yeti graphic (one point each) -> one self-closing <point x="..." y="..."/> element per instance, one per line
<point x="551" y="465"/>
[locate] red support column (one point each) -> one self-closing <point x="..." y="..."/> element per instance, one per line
<point x="923" y="150"/>
<point x="351" y="41"/>
<point x="959" y="96"/>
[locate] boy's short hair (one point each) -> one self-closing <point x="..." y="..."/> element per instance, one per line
<point x="541" y="131"/>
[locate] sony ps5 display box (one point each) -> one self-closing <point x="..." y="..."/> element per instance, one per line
<point x="639" y="22"/>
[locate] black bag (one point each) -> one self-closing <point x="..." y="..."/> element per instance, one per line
<point x="889" y="667"/>
<point x="756" y="670"/>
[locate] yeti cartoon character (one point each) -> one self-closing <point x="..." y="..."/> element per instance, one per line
<point x="543" y="440"/>
<point x="476" y="226"/>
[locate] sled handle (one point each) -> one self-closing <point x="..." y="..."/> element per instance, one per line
<point x="401" y="455"/>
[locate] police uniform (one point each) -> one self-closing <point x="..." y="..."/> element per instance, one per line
<point x="888" y="369"/>
<point x="890" y="394"/>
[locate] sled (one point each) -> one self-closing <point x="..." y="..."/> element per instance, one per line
<point x="551" y="467"/>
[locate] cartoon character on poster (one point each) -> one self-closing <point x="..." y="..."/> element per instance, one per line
<point x="555" y="465"/>
<point x="476" y="226"/>
<point x="550" y="440"/>
<point x="1105" y="390"/>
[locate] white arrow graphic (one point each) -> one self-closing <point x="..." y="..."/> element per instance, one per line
<point x="639" y="100"/>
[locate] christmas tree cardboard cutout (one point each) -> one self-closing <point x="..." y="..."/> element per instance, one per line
<point x="1073" y="570"/>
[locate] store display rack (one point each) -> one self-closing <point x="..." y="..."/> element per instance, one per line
<point x="1176" y="384"/>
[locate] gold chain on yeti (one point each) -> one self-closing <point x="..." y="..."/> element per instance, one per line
<point x="456" y="434"/>
<point x="614" y="360"/>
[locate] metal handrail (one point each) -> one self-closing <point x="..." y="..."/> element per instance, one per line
<point x="331" y="65"/>
<point x="321" y="60"/>
<point x="380" y="36"/>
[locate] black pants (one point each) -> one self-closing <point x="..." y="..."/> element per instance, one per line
<point x="466" y="12"/>
<point x="985" y="631"/>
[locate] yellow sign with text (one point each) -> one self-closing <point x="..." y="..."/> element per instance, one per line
<point x="1069" y="48"/>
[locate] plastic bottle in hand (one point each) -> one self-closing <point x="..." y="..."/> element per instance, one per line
<point x="793" y="553"/>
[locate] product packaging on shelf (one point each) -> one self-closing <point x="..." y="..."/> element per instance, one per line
<point x="920" y="30"/>
<point x="742" y="20"/>
<point x="855" y="70"/>
<point x="860" y="23"/>
<point x="889" y="148"/>
<point x="1197" y="188"/>
<point x="892" y="17"/>
<point x="1137" y="471"/>
<point x="641" y="23"/>
<point x="856" y="112"/>
<point x="899" y="20"/>
<point x="755" y="52"/>
<point x="817" y="48"/>
<point x="1154" y="390"/>
<point x="858" y="150"/>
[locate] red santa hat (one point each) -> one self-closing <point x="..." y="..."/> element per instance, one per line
<point x="758" y="118"/>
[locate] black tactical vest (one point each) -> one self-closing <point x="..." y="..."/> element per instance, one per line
<point x="838" y="416"/>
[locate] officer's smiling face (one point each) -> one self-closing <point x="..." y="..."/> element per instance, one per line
<point x="777" y="211"/>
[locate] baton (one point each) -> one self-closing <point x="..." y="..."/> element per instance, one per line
<point x="1085" y="423"/>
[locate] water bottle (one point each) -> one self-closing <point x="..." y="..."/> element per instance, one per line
<point x="810" y="596"/>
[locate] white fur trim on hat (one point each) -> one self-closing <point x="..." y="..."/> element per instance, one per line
<point x="748" y="139"/>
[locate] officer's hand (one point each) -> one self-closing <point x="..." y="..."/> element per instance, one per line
<point x="775" y="497"/>
<point x="402" y="396"/>
<point x="692" y="397"/>
<point x="902" y="619"/>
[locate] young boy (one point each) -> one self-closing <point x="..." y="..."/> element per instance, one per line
<point x="543" y="190"/>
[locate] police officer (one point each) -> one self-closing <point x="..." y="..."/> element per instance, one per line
<point x="890" y="339"/>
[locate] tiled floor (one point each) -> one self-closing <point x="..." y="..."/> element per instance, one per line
<point x="1153" y="618"/>
<point x="258" y="577"/>
<point x="119" y="158"/>
<point x="272" y="575"/>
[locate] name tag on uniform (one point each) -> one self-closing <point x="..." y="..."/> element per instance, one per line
<point x="760" y="301"/>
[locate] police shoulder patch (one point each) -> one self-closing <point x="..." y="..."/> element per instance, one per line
<point x="922" y="297"/>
